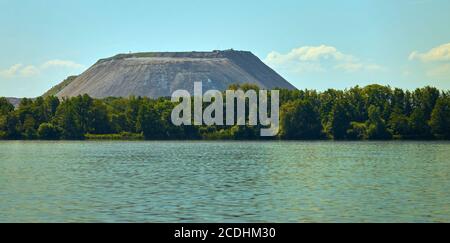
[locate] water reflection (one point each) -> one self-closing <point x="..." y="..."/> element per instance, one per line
<point x="224" y="181"/>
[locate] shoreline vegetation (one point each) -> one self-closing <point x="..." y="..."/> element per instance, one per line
<point x="373" y="112"/>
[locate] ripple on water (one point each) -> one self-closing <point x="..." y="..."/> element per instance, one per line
<point x="224" y="181"/>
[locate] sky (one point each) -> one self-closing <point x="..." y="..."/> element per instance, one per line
<point x="316" y="44"/>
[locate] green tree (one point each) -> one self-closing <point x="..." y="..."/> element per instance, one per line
<point x="5" y="109"/>
<point x="132" y="112"/>
<point x="440" y="118"/>
<point x="149" y="122"/>
<point x="28" y="127"/>
<point x="379" y="96"/>
<point x="418" y="125"/>
<point x="377" y="128"/>
<point x="119" y="123"/>
<point x="5" y="106"/>
<point x="339" y="121"/>
<point x="300" y="120"/>
<point x="48" y="131"/>
<point x="399" y="101"/>
<point x="371" y="112"/>
<point x="246" y="132"/>
<point x="13" y="126"/>
<point x="356" y="97"/>
<point x="357" y="130"/>
<point x="25" y="109"/>
<point x="99" y="121"/>
<point x="327" y="101"/>
<point x="425" y="99"/>
<point x="399" y="125"/>
<point x="51" y="104"/>
<point x="67" y="120"/>
<point x="3" y="122"/>
<point x="82" y="111"/>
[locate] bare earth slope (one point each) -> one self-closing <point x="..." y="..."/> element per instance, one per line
<point x="160" y="74"/>
<point x="14" y="101"/>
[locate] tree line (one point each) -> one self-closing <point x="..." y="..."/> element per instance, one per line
<point x="371" y="112"/>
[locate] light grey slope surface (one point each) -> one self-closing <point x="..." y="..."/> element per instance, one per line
<point x="160" y="74"/>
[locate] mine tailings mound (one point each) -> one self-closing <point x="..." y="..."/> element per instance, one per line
<point x="159" y="74"/>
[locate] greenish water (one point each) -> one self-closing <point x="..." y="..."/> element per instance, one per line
<point x="224" y="181"/>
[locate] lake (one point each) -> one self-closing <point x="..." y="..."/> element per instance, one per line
<point x="168" y="181"/>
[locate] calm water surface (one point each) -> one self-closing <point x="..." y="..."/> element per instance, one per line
<point x="224" y="181"/>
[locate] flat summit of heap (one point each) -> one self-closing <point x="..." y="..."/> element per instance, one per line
<point x="159" y="74"/>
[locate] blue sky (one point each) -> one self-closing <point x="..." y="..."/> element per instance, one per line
<point x="314" y="44"/>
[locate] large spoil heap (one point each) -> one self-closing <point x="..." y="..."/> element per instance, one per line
<point x="159" y="74"/>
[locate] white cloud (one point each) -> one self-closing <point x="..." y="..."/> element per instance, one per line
<point x="349" y="67"/>
<point x="29" y="71"/>
<point x="11" y="71"/>
<point x="19" y="70"/>
<point x="306" y="67"/>
<point x="435" y="62"/>
<point x="357" y="66"/>
<point x="439" y="71"/>
<point x="440" y="53"/>
<point x="374" y="67"/>
<point x="61" y="63"/>
<point x="310" y="53"/>
<point x="318" y="59"/>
